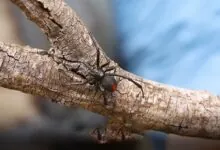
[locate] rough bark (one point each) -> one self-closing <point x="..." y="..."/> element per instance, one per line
<point x="163" y="108"/>
<point x="20" y="105"/>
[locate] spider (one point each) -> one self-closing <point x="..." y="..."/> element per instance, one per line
<point x="101" y="77"/>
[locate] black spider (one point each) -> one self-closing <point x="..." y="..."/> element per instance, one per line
<point x="101" y="76"/>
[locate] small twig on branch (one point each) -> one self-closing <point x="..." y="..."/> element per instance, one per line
<point x="163" y="108"/>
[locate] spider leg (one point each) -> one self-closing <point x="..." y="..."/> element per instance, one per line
<point x="115" y="70"/>
<point x="75" y="70"/>
<point x="105" y="64"/>
<point x="120" y="131"/>
<point x="100" y="88"/>
<point x="97" y="57"/>
<point x="105" y="99"/>
<point x="96" y="87"/>
<point x="104" y="96"/>
<point x="98" y="53"/>
<point x="110" y="69"/>
<point x="79" y="74"/>
<point x="80" y="83"/>
<point x="129" y="79"/>
<point x="76" y="61"/>
<point x="97" y="48"/>
<point x="98" y="134"/>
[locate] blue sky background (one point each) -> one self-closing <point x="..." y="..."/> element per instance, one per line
<point x="170" y="41"/>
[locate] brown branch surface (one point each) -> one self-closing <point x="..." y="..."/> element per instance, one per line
<point x="164" y="108"/>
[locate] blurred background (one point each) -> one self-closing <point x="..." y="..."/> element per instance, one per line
<point x="173" y="42"/>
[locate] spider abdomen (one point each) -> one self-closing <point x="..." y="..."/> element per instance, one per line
<point x="109" y="83"/>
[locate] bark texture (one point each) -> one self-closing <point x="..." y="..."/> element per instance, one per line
<point x="15" y="106"/>
<point x="163" y="108"/>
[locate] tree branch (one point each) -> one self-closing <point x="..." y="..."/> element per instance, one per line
<point x="164" y="108"/>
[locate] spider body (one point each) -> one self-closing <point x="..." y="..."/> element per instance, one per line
<point x="109" y="83"/>
<point x="103" y="81"/>
<point x="102" y="77"/>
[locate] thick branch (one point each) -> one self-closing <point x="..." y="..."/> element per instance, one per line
<point x="163" y="108"/>
<point x="66" y="32"/>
